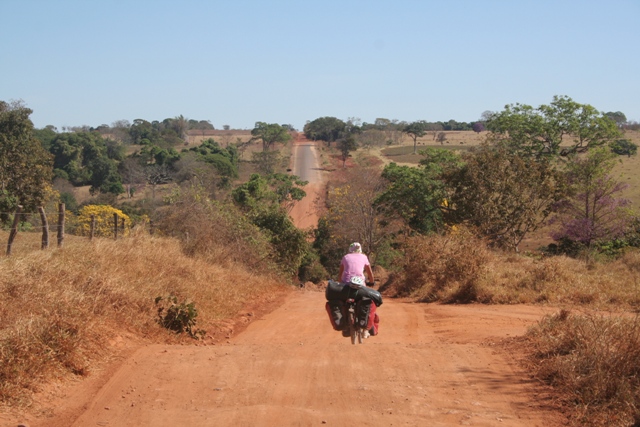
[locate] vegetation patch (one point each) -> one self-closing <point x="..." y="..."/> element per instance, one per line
<point x="177" y="316"/>
<point x="594" y="362"/>
<point x="459" y="268"/>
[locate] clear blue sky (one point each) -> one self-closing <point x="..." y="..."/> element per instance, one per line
<point x="89" y="62"/>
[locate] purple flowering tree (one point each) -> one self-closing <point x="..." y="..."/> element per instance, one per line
<point x="478" y="127"/>
<point x="595" y="211"/>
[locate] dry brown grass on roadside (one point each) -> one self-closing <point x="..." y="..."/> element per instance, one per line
<point x="447" y="268"/>
<point x="61" y="307"/>
<point x="594" y="362"/>
<point x="459" y="268"/>
<point x="216" y="231"/>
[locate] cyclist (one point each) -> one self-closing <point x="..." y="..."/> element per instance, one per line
<point x="356" y="264"/>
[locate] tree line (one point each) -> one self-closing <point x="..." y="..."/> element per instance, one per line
<point x="548" y="162"/>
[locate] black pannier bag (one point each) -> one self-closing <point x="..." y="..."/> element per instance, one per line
<point x="336" y="311"/>
<point x="362" y="312"/>
<point x="371" y="294"/>
<point x="340" y="291"/>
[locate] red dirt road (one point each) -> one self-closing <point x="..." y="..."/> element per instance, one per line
<point x="431" y="365"/>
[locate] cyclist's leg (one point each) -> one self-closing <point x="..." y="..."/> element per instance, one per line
<point x="374" y="320"/>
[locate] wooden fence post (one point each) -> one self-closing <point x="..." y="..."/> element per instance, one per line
<point x="60" y="224"/>
<point x="151" y="230"/>
<point x="115" y="226"/>
<point x="122" y="222"/>
<point x="45" y="228"/>
<point x="92" y="230"/>
<point x="14" y="229"/>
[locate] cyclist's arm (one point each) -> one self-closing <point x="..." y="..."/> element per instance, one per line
<point x="369" y="271"/>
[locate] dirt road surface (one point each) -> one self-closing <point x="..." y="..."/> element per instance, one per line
<point x="431" y="365"/>
<point x="305" y="165"/>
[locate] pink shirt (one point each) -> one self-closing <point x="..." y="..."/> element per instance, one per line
<point x="353" y="264"/>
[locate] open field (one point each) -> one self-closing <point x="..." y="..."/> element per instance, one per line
<point x="627" y="170"/>
<point x="223" y="137"/>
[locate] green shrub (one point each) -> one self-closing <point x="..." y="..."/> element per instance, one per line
<point x="178" y="317"/>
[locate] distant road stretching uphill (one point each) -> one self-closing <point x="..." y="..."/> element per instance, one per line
<point x="305" y="163"/>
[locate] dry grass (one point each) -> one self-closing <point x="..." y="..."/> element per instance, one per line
<point x="61" y="307"/>
<point x="445" y="268"/>
<point x="223" y="137"/>
<point x="459" y="268"/>
<point x="594" y="362"/>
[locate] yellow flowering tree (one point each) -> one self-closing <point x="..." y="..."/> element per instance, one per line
<point x="104" y="220"/>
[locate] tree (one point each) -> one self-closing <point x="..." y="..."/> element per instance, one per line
<point x="442" y="138"/>
<point x="266" y="201"/>
<point x="275" y="189"/>
<point x="46" y="135"/>
<point x="132" y="172"/>
<point x="328" y="129"/>
<point x="624" y="147"/>
<point x="346" y="146"/>
<point x="85" y="158"/>
<point x="25" y="166"/>
<point x="543" y="130"/>
<point x="266" y="162"/>
<point x="157" y="175"/>
<point x="103" y="216"/>
<point x="105" y="177"/>
<point x="179" y="125"/>
<point x="152" y="154"/>
<point x="270" y="134"/>
<point x="372" y="138"/>
<point x="594" y="211"/>
<point x="416" y="130"/>
<point x="393" y="132"/>
<point x="352" y="217"/>
<point x="202" y="125"/>
<point x="225" y="160"/>
<point x="478" y="127"/>
<point x="433" y="129"/>
<point x="618" y="117"/>
<point x="416" y="194"/>
<point x="486" y="116"/>
<point x="504" y="195"/>
<point x="142" y="132"/>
